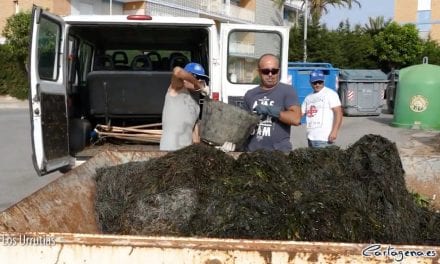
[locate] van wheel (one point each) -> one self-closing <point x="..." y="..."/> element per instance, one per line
<point x="65" y="169"/>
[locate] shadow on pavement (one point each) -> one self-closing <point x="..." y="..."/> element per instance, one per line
<point x="383" y="119"/>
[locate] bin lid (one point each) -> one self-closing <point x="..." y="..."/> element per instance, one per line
<point x="362" y="74"/>
<point x="310" y="65"/>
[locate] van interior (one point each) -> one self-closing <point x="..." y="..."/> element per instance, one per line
<point x="118" y="75"/>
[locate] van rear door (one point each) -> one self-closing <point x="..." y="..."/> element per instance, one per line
<point x="241" y="47"/>
<point x="47" y="96"/>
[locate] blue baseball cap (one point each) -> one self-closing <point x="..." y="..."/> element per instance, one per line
<point x="196" y="69"/>
<point x="317" y="75"/>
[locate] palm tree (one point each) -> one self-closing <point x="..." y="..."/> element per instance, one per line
<point x="375" y="25"/>
<point x="317" y="8"/>
<point x="320" y="7"/>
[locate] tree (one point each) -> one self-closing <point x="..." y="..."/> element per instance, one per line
<point x="431" y="50"/>
<point x="17" y="34"/>
<point x="320" y="7"/>
<point x="375" y="25"/>
<point x="13" y="55"/>
<point x="397" y="46"/>
<point x="343" y="48"/>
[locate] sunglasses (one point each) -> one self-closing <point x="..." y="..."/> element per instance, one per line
<point x="317" y="82"/>
<point x="197" y="76"/>
<point x="267" y="71"/>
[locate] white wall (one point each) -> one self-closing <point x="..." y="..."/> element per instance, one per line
<point x="267" y="13"/>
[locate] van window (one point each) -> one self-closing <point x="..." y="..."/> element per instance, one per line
<point x="172" y="58"/>
<point x="85" y="58"/>
<point x="71" y="61"/>
<point x="244" y="50"/>
<point x="160" y="60"/>
<point x="48" y="46"/>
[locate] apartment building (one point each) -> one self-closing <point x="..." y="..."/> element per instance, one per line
<point x="11" y="7"/>
<point x="425" y="14"/>
<point x="264" y="12"/>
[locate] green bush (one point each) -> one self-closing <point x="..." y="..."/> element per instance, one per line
<point x="13" y="55"/>
<point x="13" y="76"/>
<point x="17" y="34"/>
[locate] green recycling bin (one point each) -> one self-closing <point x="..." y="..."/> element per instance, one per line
<point x="417" y="103"/>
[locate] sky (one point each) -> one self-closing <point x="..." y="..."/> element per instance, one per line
<point x="356" y="15"/>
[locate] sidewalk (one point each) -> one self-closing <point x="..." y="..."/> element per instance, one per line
<point x="7" y="101"/>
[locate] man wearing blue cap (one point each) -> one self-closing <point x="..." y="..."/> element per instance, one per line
<point x="181" y="110"/>
<point x="323" y="112"/>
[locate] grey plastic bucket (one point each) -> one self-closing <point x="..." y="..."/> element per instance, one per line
<point x="224" y="122"/>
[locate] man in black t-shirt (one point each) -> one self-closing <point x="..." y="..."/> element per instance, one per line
<point x="277" y="103"/>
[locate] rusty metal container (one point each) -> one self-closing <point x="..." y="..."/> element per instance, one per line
<point x="57" y="224"/>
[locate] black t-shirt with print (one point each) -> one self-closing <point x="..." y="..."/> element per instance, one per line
<point x="270" y="134"/>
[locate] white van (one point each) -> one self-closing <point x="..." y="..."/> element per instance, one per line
<point x="89" y="70"/>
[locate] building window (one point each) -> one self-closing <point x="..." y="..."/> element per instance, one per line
<point x="289" y="15"/>
<point x="17" y="7"/>
<point x="424" y="5"/>
<point x="424" y="20"/>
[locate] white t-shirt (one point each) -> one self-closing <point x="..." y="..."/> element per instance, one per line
<point x="319" y="114"/>
<point x="179" y="115"/>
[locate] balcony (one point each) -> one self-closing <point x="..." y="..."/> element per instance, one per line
<point x="214" y="9"/>
<point x="294" y="4"/>
<point x="292" y="10"/>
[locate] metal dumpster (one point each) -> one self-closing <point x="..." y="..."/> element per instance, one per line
<point x="57" y="224"/>
<point x="362" y="91"/>
<point x="299" y="74"/>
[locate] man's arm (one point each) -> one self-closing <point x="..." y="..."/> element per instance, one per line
<point x="303" y="108"/>
<point x="292" y="116"/>
<point x="337" y="121"/>
<point x="180" y="75"/>
<point x="196" y="133"/>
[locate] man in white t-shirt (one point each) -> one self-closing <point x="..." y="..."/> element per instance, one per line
<point x="181" y="110"/>
<point x="323" y="112"/>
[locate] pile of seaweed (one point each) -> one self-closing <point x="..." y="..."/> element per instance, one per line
<point x="352" y="195"/>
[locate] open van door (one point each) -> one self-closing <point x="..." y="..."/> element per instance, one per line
<point x="47" y="97"/>
<point x="241" y="47"/>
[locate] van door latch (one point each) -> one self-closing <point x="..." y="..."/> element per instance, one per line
<point x="36" y="97"/>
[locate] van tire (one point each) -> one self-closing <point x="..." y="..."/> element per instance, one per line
<point x="65" y="169"/>
<point x="79" y="134"/>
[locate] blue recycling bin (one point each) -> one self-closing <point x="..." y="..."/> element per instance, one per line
<point x="299" y="74"/>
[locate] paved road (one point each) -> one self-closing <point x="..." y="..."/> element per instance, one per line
<point x="353" y="128"/>
<point x="17" y="176"/>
